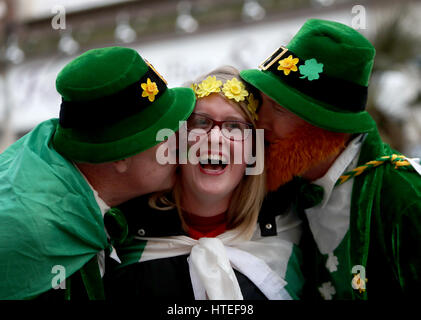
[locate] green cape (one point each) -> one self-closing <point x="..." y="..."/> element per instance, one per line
<point x="48" y="213"/>
<point x="383" y="236"/>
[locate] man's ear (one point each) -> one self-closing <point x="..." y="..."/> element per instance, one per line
<point x="122" y="166"/>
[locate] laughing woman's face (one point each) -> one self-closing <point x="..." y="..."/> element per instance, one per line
<point x="221" y="152"/>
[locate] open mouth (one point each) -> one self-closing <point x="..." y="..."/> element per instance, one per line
<point x="213" y="163"/>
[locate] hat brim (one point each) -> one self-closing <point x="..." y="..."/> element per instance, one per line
<point x="311" y="110"/>
<point x="182" y="102"/>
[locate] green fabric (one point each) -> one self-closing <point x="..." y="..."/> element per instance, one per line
<point x="130" y="252"/>
<point x="127" y="138"/>
<point x="364" y="200"/>
<point x="91" y="278"/>
<point x="117" y="226"/>
<point x="68" y="292"/>
<point x="98" y="73"/>
<point x="387" y="200"/>
<point x="309" y="194"/>
<point x="344" y="53"/>
<point x="293" y="275"/>
<point x="339" y="279"/>
<point x="48" y="213"/>
<point x="384" y="233"/>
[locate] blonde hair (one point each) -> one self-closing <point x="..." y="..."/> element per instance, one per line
<point x="247" y="197"/>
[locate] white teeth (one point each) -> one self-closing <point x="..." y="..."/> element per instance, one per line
<point x="213" y="158"/>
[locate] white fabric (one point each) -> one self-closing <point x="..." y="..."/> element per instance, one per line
<point x="114" y="255"/>
<point x="329" y="220"/>
<point x="213" y="277"/>
<point x="101" y="262"/>
<point x="211" y="265"/>
<point x="268" y="281"/>
<point x="415" y="163"/>
<point x="263" y="260"/>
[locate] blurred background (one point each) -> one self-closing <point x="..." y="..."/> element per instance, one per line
<point x="184" y="39"/>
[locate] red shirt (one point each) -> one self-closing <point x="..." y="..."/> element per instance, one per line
<point x="209" y="227"/>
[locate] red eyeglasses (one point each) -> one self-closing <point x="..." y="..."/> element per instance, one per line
<point x="235" y="130"/>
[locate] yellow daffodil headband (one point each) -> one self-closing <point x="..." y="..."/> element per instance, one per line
<point x="232" y="89"/>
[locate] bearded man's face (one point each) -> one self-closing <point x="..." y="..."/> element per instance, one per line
<point x="293" y="145"/>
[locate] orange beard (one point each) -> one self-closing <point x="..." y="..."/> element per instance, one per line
<point x="299" y="151"/>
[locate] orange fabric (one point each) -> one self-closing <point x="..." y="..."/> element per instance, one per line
<point x="297" y="152"/>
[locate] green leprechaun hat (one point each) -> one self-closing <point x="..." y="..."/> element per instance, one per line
<point x="113" y="105"/>
<point x="322" y="76"/>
